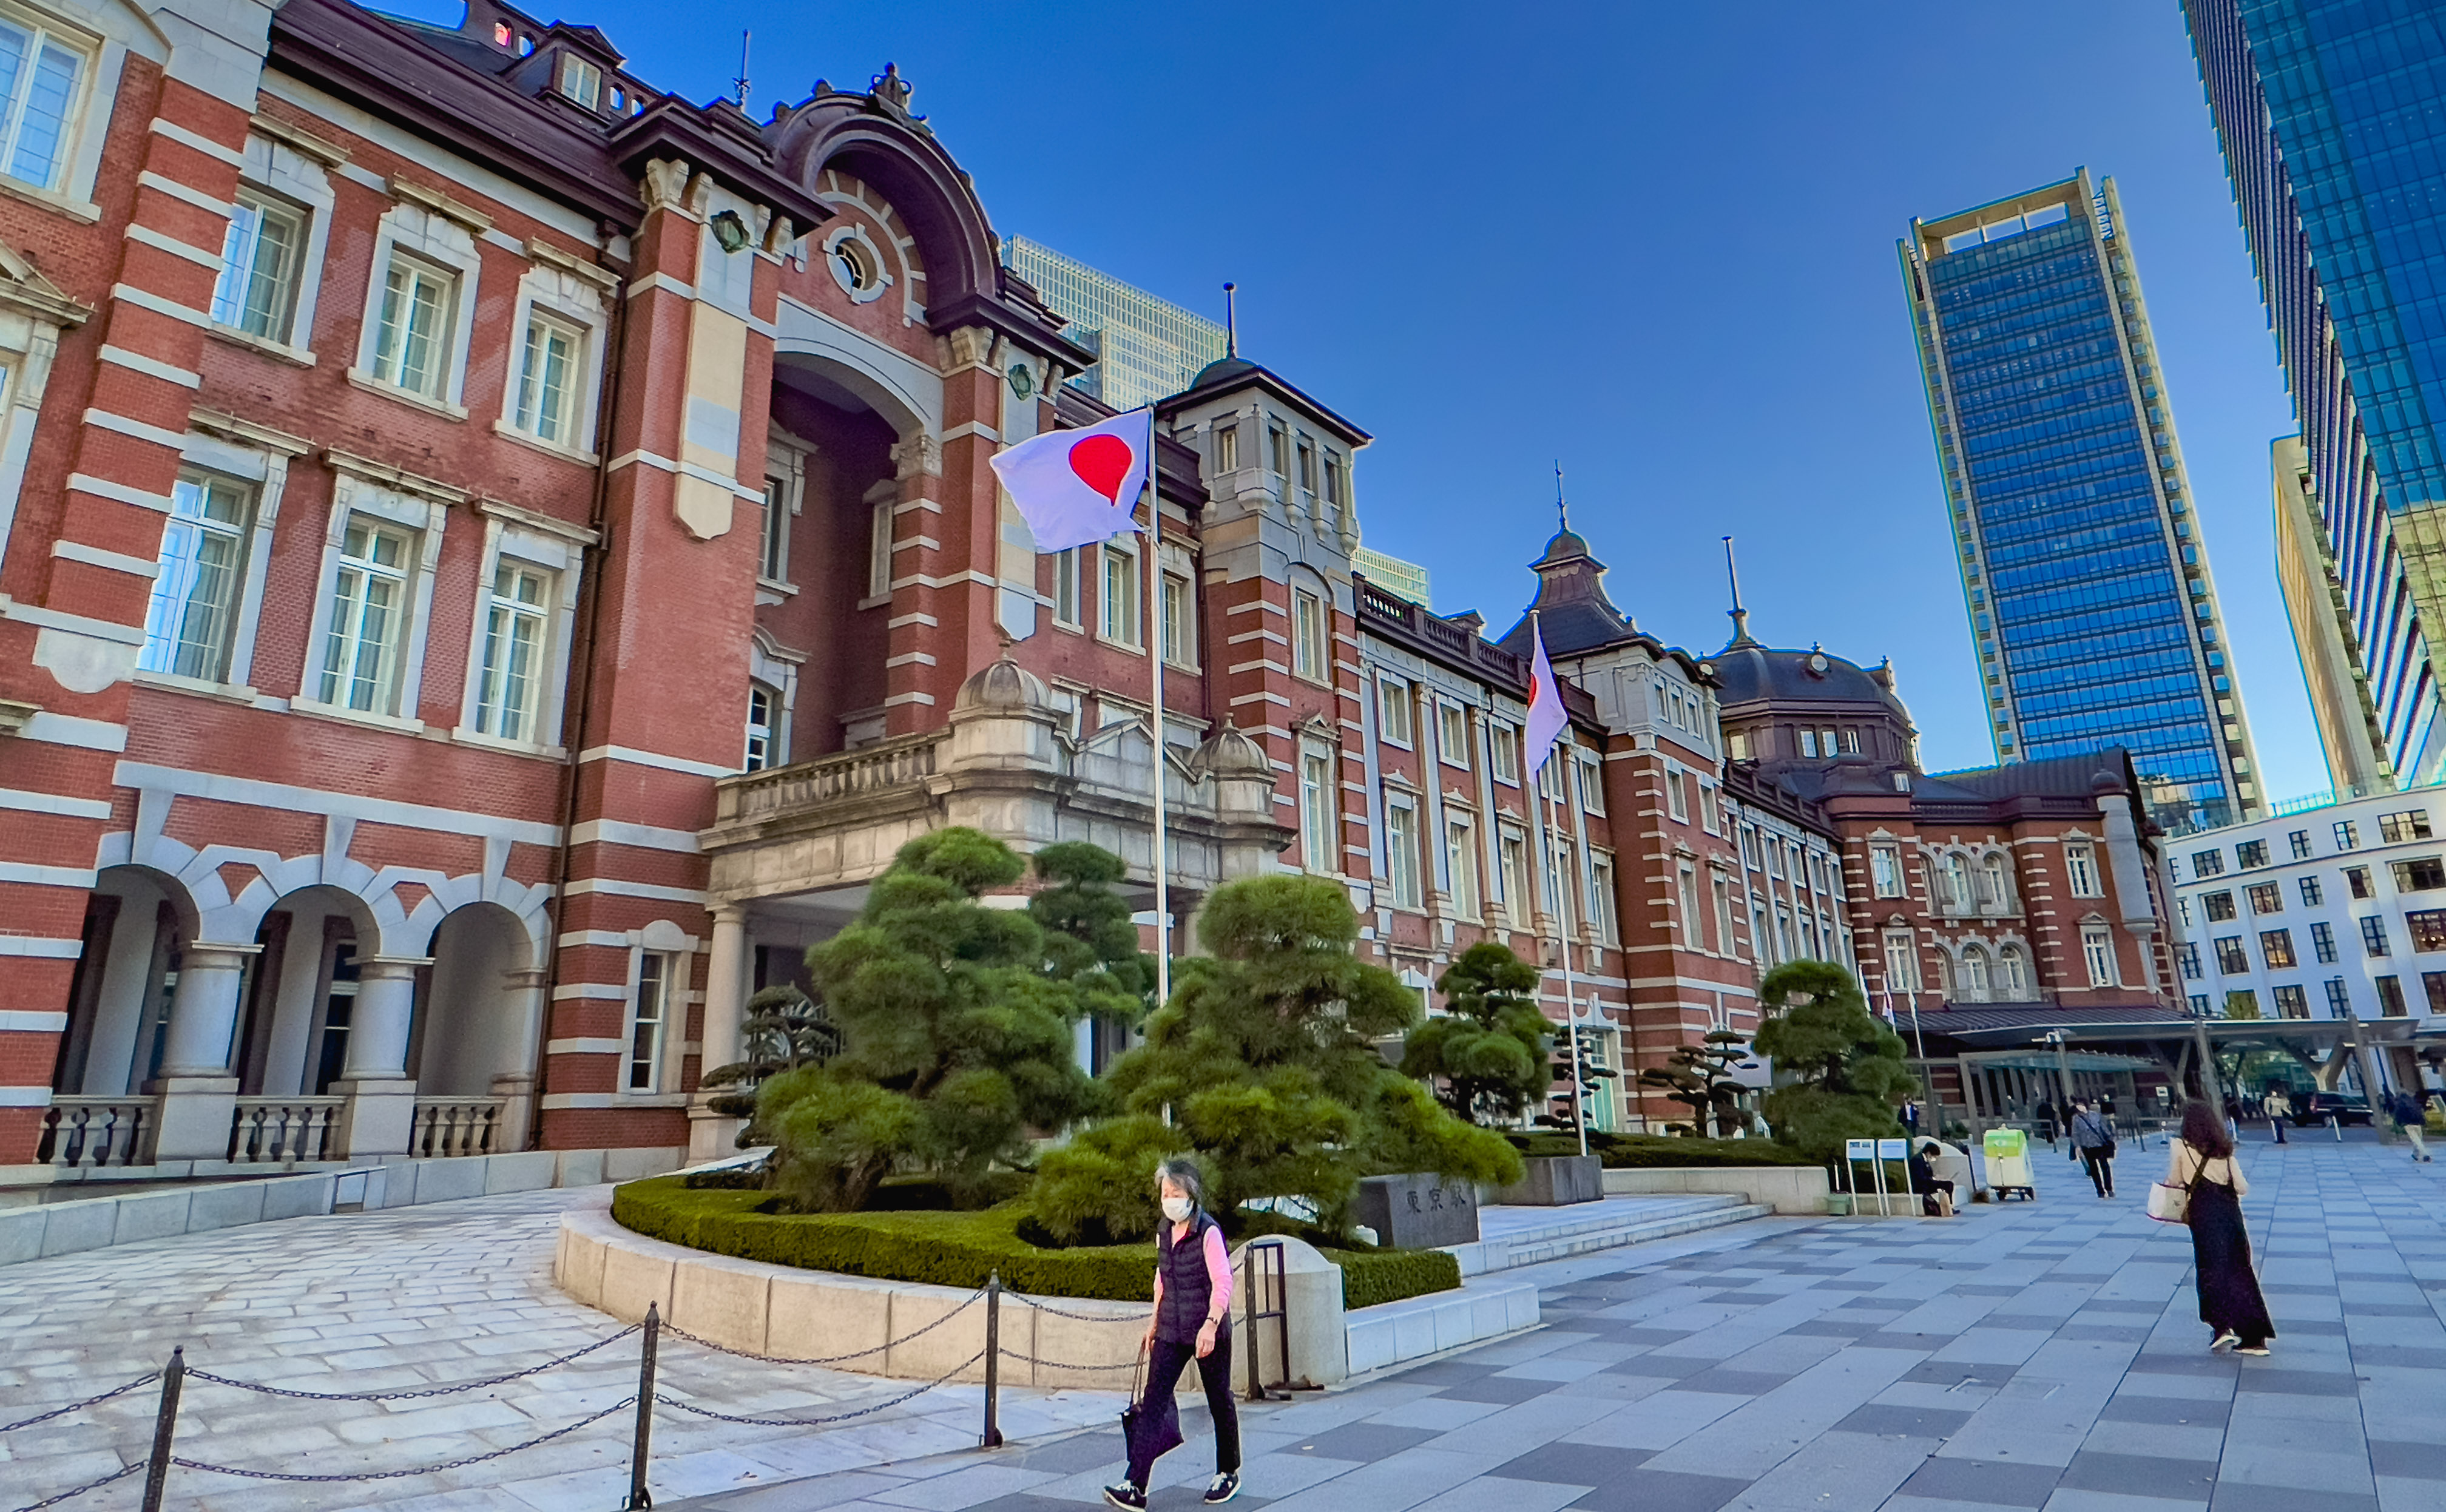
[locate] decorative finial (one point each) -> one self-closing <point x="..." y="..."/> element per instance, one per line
<point x="1002" y="633"/>
<point x="1230" y="320"/>
<point x="1741" y="616"/>
<point x="739" y="84"/>
<point x="892" y="92"/>
<point x="1562" y="511"/>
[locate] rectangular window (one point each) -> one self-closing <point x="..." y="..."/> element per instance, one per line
<point x="1319" y="821"/>
<point x="1809" y="742"/>
<point x="2251" y="853"/>
<point x="1117" y="600"/>
<point x="2374" y="935"/>
<point x="2347" y="837"/>
<point x="2312" y="893"/>
<point x="2241" y="1002"/>
<point x="2322" y="941"/>
<point x="772" y="552"/>
<point x="1513" y="853"/>
<point x="43" y="76"/>
<point x="2081" y="865"/>
<point x="548" y="368"/>
<point x="1402" y="824"/>
<point x="1227" y="448"/>
<point x="2433" y="986"/>
<point x="2291" y="1002"/>
<point x="1902" y="961"/>
<point x="2267" y="897"/>
<point x="658" y="991"/>
<point x="2097" y="949"/>
<point x="2199" y="1001"/>
<point x="2207" y="863"/>
<point x="1460" y="864"/>
<point x="1452" y="734"/>
<point x="1505" y="742"/>
<point x="1179" y="634"/>
<point x="513" y="662"/>
<point x="2183" y="912"/>
<point x="1065" y="587"/>
<point x="1711" y="812"/>
<point x="581" y="81"/>
<point x="2422" y="874"/>
<point x="2390" y="998"/>
<point x="2340" y="997"/>
<point x="1277" y="455"/>
<point x="762" y="722"/>
<point x="194" y="610"/>
<point x="1309" y="648"/>
<point x="1685" y="881"/>
<point x="1333" y="480"/>
<point x="2412" y="824"/>
<point x="1885" y="872"/>
<point x="1677" y="796"/>
<point x="1601" y="899"/>
<point x="368" y="626"/>
<point x="2427" y="928"/>
<point x="1591" y="775"/>
<point x="257" y="290"/>
<point x="1393" y="711"/>
<point x="1724" y="888"/>
<point x="1550" y="774"/>
<point x="2219" y="907"/>
<point x="2357" y="882"/>
<point x="2187" y="960"/>
<point x="2276" y="945"/>
<point x="879" y="555"/>
<point x="411" y="350"/>
<point x="1306" y="468"/>
<point x="2230" y="960"/>
<point x="2299" y="841"/>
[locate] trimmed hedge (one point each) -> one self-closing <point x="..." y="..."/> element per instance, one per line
<point x="1662" y="1152"/>
<point x="960" y="1249"/>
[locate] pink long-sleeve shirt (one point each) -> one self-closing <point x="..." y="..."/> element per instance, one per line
<point x="1218" y="1275"/>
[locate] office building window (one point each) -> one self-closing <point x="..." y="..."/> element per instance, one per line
<point x="2390" y="998"/>
<point x="1402" y="827"/>
<point x="2206" y="863"/>
<point x="2291" y="1002"/>
<point x="2251" y="853"/>
<point x="2276" y="945"/>
<point x="2427" y="928"/>
<point x="2322" y="941"/>
<point x="2433" y="988"/>
<point x="44" y="84"/>
<point x="2347" y="837"/>
<point x="2312" y="893"/>
<point x="652" y="1004"/>
<point x="1460" y="863"/>
<point x="509" y="676"/>
<point x="2340" y="997"/>
<point x="2081" y="865"/>
<point x="2299" y="841"/>
<point x="1309" y="652"/>
<point x="2097" y="950"/>
<point x="257" y="288"/>
<point x="2231" y="961"/>
<point x="2241" y="1002"/>
<point x="2374" y="935"/>
<point x="1320" y="819"/>
<point x="2199" y="1001"/>
<point x="2412" y="824"/>
<point x="2423" y="874"/>
<point x="2219" y="907"/>
<point x="193" y="614"/>
<point x="2187" y="960"/>
<point x="1393" y="711"/>
<point x="2267" y="897"/>
<point x="2357" y="882"/>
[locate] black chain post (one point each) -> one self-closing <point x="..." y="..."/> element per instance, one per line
<point x="156" y="1470"/>
<point x="994" y="1355"/>
<point x="639" y="1498"/>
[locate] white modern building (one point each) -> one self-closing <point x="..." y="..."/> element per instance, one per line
<point x="2335" y="911"/>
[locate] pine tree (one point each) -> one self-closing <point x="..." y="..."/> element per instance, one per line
<point x="1845" y="1070"/>
<point x="1700" y="1076"/>
<point x="1489" y="1052"/>
<point x="783" y="1028"/>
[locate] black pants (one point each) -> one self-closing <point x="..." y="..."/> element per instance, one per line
<point x="2101" y="1170"/>
<point x="2276" y="1124"/>
<point x="1163" y="1370"/>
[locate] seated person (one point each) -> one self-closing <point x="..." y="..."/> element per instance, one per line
<point x="1924" y="1180"/>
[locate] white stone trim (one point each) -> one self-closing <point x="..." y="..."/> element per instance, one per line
<point x="563" y="561"/>
<point x="650" y="758"/>
<point x="36" y="947"/>
<point x="424" y="236"/>
<point x="577" y="301"/>
<point x="25" y="801"/>
<point x="130" y="294"/>
<point x="30" y="874"/>
<point x="117" y="493"/>
<point x="188" y="138"/>
<point x="614" y="888"/>
<point x="184" y="192"/>
<point x="151" y="367"/>
<point x="353" y="495"/>
<point x="66" y="729"/>
<point x="643" y="836"/>
<point x="24" y="1097"/>
<point x="109" y="561"/>
<point x="164" y="242"/>
<point x="159" y="436"/>
<point x="31" y="1021"/>
<point x="256" y="792"/>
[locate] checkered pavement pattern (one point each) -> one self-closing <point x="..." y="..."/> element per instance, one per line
<point x="2045" y="1356"/>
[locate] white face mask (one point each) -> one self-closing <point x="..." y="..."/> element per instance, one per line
<point x="1177" y="1209"/>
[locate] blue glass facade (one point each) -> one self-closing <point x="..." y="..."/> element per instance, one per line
<point x="2083" y="575"/>
<point x="2332" y="115"/>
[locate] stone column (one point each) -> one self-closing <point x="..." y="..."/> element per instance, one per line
<point x="197" y="1092"/>
<point x="515" y="1083"/>
<point x="118" y="1013"/>
<point x="380" y="1114"/>
<point x="712" y="1135"/>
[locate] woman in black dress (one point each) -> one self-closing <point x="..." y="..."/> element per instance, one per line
<point x="2229" y="1300"/>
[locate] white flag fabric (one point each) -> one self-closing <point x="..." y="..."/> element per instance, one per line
<point x="1547" y="719"/>
<point x="1077" y="487"/>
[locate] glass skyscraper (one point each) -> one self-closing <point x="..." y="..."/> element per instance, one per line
<point x="1146" y="348"/>
<point x="2332" y="115"/>
<point x="2082" y="569"/>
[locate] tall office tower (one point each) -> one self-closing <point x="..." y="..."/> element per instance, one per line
<point x="2086" y="581"/>
<point x="1146" y="348"/>
<point x="2334" y="138"/>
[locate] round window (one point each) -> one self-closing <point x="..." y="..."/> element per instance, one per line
<point x="854" y="265"/>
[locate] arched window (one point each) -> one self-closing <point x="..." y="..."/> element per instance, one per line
<point x="1957" y="880"/>
<point x="1974" y="975"/>
<point x="1999" y="888"/>
<point x="2013" y="974"/>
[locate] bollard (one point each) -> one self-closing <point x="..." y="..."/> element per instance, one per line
<point x="639" y="1498"/>
<point x="993" y="1356"/>
<point x="157" y="1469"/>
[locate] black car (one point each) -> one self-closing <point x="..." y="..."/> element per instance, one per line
<point x="2347" y="1108"/>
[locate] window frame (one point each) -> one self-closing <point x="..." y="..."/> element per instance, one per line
<point x="1068" y="609"/>
<point x="1402" y="853"/>
<point x="2098" y="953"/>
<point x="1392" y="694"/>
<point x="1177" y="620"/>
<point x="1118" y="562"/>
<point x="560" y="291"/>
<point x="1311" y="637"/>
<point x="2082" y="878"/>
<point x="1320" y="810"/>
<point x="72" y="165"/>
<point x="1503" y="752"/>
<point x="556" y="553"/>
<point x="428" y="520"/>
<point x="1512" y="874"/>
<point x="881" y="527"/>
<point x="241" y="534"/>
<point x="266" y="205"/>
<point x="1899" y="957"/>
<point x="1461" y="883"/>
<point x="429" y="241"/>
<point x="1886" y="878"/>
<point x="294" y="168"/>
<point x="2276" y="948"/>
<point x="2322" y="941"/>
<point x="671" y="970"/>
<point x="2375" y="944"/>
<point x="1449" y="750"/>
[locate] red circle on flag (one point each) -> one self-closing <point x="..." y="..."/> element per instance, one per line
<point x="1102" y="462"/>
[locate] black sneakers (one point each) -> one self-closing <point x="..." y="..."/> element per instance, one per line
<point x="1224" y="1488"/>
<point x="1122" y="1494"/>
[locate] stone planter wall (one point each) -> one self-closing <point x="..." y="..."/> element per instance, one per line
<point x="1416" y="1211"/>
<point x="1554" y="1181"/>
<point x="1788" y="1189"/>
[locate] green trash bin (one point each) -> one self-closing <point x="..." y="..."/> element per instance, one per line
<point x="2008" y="1164"/>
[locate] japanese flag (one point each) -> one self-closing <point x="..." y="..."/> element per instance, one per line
<point x="1547" y="720"/>
<point x="1077" y="487"/>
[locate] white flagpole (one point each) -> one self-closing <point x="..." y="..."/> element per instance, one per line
<point x="1562" y="914"/>
<point x="1154" y="660"/>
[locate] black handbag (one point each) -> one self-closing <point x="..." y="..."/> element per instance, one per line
<point x="1149" y="1434"/>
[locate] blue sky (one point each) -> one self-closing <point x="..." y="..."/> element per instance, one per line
<point x="1654" y="240"/>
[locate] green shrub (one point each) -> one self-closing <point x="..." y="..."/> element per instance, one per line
<point x="1662" y="1152"/>
<point x="960" y="1248"/>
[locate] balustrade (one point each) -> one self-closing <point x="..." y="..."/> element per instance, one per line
<point x="456" y="1126"/>
<point x="87" y="1132"/>
<point x="901" y="763"/>
<point x="279" y="1131"/>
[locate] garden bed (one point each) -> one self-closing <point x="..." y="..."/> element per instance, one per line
<point x="961" y="1249"/>
<point x="1668" y="1152"/>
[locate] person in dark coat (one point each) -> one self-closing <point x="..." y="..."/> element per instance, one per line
<point x="2230" y="1303"/>
<point x="1192" y="1320"/>
<point x="2410" y="1117"/>
<point x="2093" y="1141"/>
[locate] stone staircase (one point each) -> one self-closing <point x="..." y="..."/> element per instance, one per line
<point x="1510" y="1237"/>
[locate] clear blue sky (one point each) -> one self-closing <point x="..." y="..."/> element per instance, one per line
<point x="1654" y="240"/>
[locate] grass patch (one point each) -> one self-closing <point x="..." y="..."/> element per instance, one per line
<point x="941" y="1248"/>
<point x="1662" y="1152"/>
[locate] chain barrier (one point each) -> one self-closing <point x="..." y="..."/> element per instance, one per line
<point x="1010" y="1353"/>
<point x="677" y="1332"/>
<point x="621" y="1406"/>
<point x="868" y="1410"/>
<point x="194" y="1375"/>
<point x="1081" y="1317"/>
<point x="58" y="1497"/>
<point x="62" y="1411"/>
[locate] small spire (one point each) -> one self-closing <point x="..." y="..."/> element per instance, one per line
<point x="1230" y="320"/>
<point x="739" y="84"/>
<point x="1741" y="616"/>
<point x="1562" y="511"/>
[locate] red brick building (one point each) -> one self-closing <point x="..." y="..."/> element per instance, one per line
<point x="494" y="558"/>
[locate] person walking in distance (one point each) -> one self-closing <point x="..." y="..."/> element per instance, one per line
<point x="1192" y="1320"/>
<point x="2093" y="1141"/>
<point x="2408" y="1117"/>
<point x="1909" y="1115"/>
<point x="2278" y="1108"/>
<point x="2202" y="1163"/>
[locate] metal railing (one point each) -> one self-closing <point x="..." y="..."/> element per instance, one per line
<point x="446" y="1126"/>
<point x="278" y="1130"/>
<point x="91" y="1132"/>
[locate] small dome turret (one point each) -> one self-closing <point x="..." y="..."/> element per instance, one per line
<point x="1004" y="685"/>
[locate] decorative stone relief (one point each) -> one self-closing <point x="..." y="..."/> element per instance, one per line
<point x="665" y="186"/>
<point x="920" y="455"/>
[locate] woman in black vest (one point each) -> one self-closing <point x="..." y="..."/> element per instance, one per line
<point x="1192" y="1318"/>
